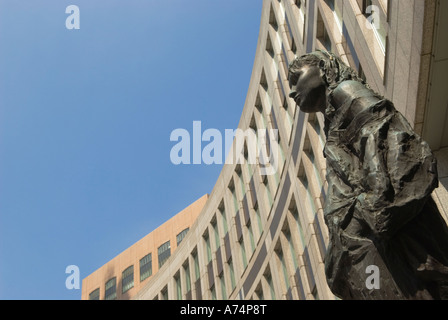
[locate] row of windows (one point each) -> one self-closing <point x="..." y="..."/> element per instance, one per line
<point x="376" y="24"/>
<point x="288" y="252"/>
<point x="145" y="264"/>
<point x="291" y="249"/>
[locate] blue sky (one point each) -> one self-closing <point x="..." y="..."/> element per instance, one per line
<point x="85" y="123"/>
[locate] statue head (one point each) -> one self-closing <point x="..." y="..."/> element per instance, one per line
<point x="314" y="76"/>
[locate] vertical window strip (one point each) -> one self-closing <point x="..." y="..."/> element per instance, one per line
<point x="310" y="155"/>
<point x="181" y="235"/>
<point x="213" y="292"/>
<point x="249" y="167"/>
<point x="319" y="131"/>
<point x="295" y="214"/>
<point x="243" y="253"/>
<point x="224" y="220"/>
<point x="196" y="266"/>
<point x="251" y="237"/>
<point x="284" y="268"/>
<point x="95" y="294"/>
<point x="223" y="286"/>
<point x="111" y="289"/>
<point x="243" y="187"/>
<point x="260" y="223"/>
<point x="145" y="267"/>
<point x="309" y="196"/>
<point x="216" y="232"/>
<point x="292" y="250"/>
<point x="164" y="252"/>
<point x="315" y="293"/>
<point x="208" y="247"/>
<point x="235" y="201"/>
<point x="271" y="285"/>
<point x="127" y="281"/>
<point x="178" y="287"/>
<point x="165" y="293"/>
<point x="232" y="274"/>
<point x="187" y="277"/>
<point x="268" y="193"/>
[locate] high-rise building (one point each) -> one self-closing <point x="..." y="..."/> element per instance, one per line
<point x="123" y="276"/>
<point x="263" y="236"/>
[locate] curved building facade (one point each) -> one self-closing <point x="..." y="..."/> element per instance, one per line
<point x="263" y="236"/>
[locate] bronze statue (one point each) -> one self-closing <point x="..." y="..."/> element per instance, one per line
<point x="380" y="174"/>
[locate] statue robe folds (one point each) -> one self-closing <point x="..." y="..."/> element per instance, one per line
<point x="379" y="209"/>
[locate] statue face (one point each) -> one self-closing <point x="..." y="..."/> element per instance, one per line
<point x="308" y="89"/>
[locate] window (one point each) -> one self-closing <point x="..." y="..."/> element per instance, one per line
<point x="378" y="25"/>
<point x="268" y="191"/>
<point x="181" y="235"/>
<point x="309" y="153"/>
<point x="208" y="247"/>
<point x="273" y="20"/>
<point x="145" y="267"/>
<point x="164" y="293"/>
<point x="320" y="132"/>
<point x="292" y="250"/>
<point x="260" y="223"/>
<point x="251" y="236"/>
<point x="300" y="3"/>
<point x="224" y="219"/>
<point x="187" y="276"/>
<point x="295" y="214"/>
<point x="361" y="73"/>
<point x="95" y="294"/>
<point x="243" y="252"/>
<point x="127" y="281"/>
<point x="281" y="258"/>
<point x="216" y="232"/>
<point x="196" y="265"/>
<point x="178" y="287"/>
<point x="326" y="40"/>
<point x="259" y="292"/>
<point x="240" y="177"/>
<point x="111" y="289"/>
<point x="235" y="201"/>
<point x="365" y="4"/>
<point x="232" y="274"/>
<point x="315" y="293"/>
<point x="213" y="292"/>
<point x="164" y="252"/>
<point x="223" y="286"/>
<point x="338" y="13"/>
<point x="268" y="278"/>
<point x="322" y="34"/>
<point x="311" y="205"/>
<point x="301" y="8"/>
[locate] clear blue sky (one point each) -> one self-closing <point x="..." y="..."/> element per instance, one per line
<point x="85" y="123"/>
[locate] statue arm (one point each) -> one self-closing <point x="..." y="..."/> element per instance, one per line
<point x="400" y="172"/>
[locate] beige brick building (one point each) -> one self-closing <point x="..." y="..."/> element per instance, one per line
<point x="263" y="236"/>
<point x="123" y="276"/>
